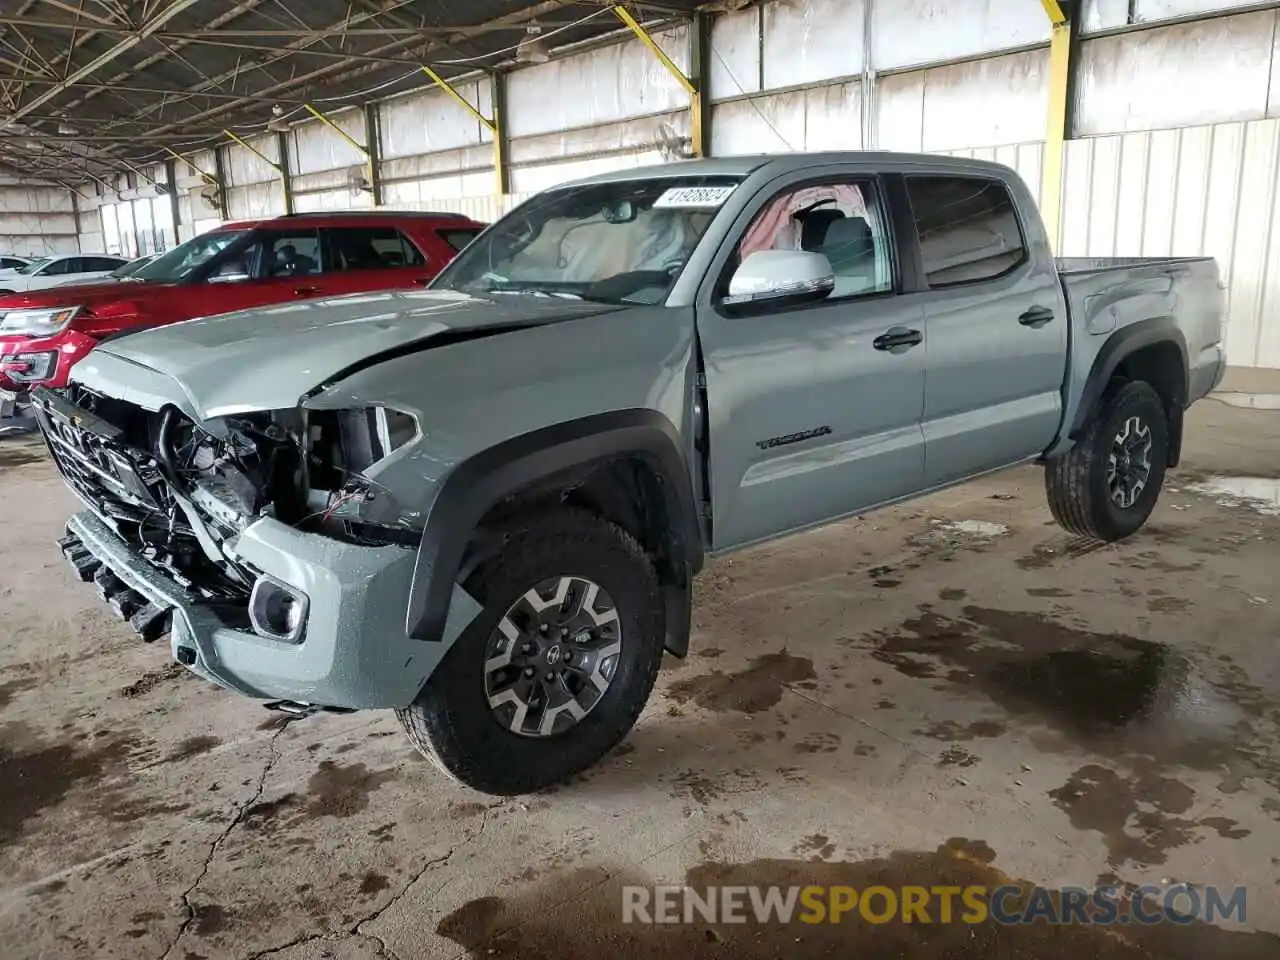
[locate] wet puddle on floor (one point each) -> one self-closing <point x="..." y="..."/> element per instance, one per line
<point x="534" y="922"/>
<point x="1140" y="706"/>
<point x="1252" y="401"/>
<point x="1257" y="493"/>
<point x="1111" y="693"/>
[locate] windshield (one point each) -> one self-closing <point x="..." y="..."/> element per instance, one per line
<point x="620" y="242"/>
<point x="130" y="268"/>
<point x="34" y="265"/>
<point x="184" y="259"/>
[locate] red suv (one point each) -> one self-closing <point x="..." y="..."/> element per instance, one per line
<point x="238" y="266"/>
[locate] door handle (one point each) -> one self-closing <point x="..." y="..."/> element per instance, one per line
<point x="1036" y="317"/>
<point x="898" y="339"/>
<point x="305" y="291"/>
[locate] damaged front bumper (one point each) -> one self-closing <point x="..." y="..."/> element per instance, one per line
<point x="352" y="651"/>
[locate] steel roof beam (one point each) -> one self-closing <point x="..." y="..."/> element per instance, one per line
<point x="246" y="6"/>
<point x="154" y="91"/>
<point x="283" y="53"/>
<point x="519" y="16"/>
<point x="174" y="8"/>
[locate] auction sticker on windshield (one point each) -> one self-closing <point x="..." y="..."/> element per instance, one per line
<point x="693" y="197"/>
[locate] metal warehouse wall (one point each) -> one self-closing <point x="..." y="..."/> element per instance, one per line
<point x="36" y="220"/>
<point x="951" y="76"/>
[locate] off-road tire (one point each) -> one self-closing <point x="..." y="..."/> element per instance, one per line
<point x="1076" y="482"/>
<point x="451" y="722"/>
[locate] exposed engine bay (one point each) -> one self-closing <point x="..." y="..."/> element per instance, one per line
<point x="179" y="491"/>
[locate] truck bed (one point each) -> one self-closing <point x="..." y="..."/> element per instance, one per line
<point x="1107" y="293"/>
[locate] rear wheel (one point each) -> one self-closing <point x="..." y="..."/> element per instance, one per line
<point x="557" y="667"/>
<point x="1106" y="486"/>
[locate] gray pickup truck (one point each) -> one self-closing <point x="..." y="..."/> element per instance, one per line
<point x="483" y="504"/>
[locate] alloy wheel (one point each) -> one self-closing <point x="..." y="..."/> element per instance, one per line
<point x="552" y="656"/>
<point x="1129" y="463"/>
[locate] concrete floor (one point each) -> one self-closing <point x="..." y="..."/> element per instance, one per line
<point x="951" y="691"/>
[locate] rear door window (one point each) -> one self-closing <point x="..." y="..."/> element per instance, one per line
<point x="458" y="237"/>
<point x="372" y="248"/>
<point x="288" y="253"/>
<point x="968" y="229"/>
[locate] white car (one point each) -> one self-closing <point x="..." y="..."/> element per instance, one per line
<point x="119" y="273"/>
<point x="55" y="271"/>
<point x="9" y="263"/>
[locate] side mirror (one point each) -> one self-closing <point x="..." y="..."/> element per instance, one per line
<point x="778" y="277"/>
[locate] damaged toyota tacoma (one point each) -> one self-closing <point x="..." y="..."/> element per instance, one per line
<point x="483" y="504"/>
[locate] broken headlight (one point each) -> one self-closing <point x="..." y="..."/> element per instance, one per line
<point x="346" y="451"/>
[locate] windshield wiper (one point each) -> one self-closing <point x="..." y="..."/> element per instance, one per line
<point x="533" y="292"/>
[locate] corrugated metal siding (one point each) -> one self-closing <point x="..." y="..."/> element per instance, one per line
<point x="1208" y="71"/>
<point x="1025" y="158"/>
<point x="37" y="221"/>
<point x="1198" y="191"/>
<point x="1109" y="14"/>
<point x="484" y="209"/>
<point x="598" y="86"/>
<point x="907" y="33"/>
<point x="815" y="118"/>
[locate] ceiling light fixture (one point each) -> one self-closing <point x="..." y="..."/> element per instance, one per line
<point x="277" y="123"/>
<point x="532" y="49"/>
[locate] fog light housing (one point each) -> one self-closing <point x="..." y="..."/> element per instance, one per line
<point x="29" y="367"/>
<point x="278" y="611"/>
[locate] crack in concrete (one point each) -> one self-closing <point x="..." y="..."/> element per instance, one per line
<point x="404" y="891"/>
<point x="272" y="757"/>
<point x="357" y="929"/>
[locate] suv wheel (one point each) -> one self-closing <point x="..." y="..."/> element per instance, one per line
<point x="1106" y="486"/>
<point x="555" y="669"/>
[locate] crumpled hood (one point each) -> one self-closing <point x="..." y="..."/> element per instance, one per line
<point x="266" y="359"/>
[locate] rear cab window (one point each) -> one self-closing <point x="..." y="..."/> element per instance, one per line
<point x="968" y="229"/>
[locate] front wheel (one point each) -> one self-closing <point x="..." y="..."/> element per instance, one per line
<point x="1106" y="486"/>
<point x="556" y="668"/>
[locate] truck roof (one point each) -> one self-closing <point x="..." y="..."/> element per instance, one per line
<point x="780" y="163"/>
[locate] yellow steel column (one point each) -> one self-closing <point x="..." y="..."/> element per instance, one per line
<point x="697" y="125"/>
<point x="206" y="177"/>
<point x="267" y="160"/>
<point x="498" y="128"/>
<point x="492" y="124"/>
<point x="1056" y="131"/>
<point x="368" y="157"/>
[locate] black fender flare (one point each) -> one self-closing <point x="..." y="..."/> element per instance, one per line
<point x="486" y="478"/>
<point x="1122" y="344"/>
